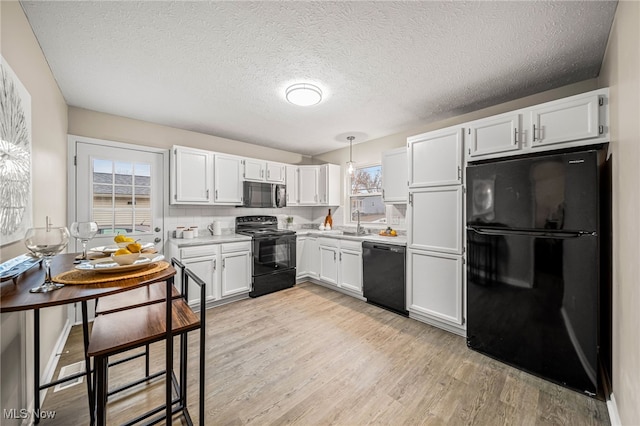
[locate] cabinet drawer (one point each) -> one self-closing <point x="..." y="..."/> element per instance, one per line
<point x="328" y="242"/>
<point x="199" y="251"/>
<point x="351" y="245"/>
<point x="233" y="247"/>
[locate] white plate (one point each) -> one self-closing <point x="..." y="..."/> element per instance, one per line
<point x="108" y="266"/>
<point x="114" y="248"/>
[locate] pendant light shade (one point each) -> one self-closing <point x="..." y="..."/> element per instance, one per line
<point x="350" y="164"/>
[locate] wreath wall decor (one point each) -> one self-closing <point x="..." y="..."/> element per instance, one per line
<point x="15" y="157"/>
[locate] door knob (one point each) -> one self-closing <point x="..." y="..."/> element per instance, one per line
<point x="157" y="240"/>
<point x="157" y="229"/>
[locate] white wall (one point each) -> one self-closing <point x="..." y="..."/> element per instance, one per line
<point x="621" y="72"/>
<point x="49" y="145"/>
<point x="99" y="125"/>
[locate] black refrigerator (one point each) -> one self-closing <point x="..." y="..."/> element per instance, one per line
<point x="538" y="265"/>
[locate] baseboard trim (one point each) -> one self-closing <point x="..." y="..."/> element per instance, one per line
<point x="614" y="415"/>
<point x="47" y="375"/>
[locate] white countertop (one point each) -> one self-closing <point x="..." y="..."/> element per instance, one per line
<point x="208" y="239"/>
<point x="400" y="240"/>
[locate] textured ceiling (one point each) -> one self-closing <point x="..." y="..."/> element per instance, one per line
<point x="221" y="68"/>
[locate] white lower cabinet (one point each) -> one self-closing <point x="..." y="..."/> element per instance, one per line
<point x="328" y="264"/>
<point x="225" y="268"/>
<point x="436" y="286"/>
<point x="350" y="274"/>
<point x="312" y="257"/>
<point x="205" y="269"/>
<point x="236" y="268"/>
<point x="332" y="261"/>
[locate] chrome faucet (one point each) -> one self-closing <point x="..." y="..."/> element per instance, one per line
<point x="359" y="229"/>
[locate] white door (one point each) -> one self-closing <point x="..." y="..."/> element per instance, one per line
<point x="122" y="189"/>
<point x="394" y="176"/>
<point x="499" y="134"/>
<point x="435" y="158"/>
<point x="351" y="270"/>
<point x="205" y="269"/>
<point x="275" y="172"/>
<point x="435" y="283"/>
<point x="292" y="185"/>
<point x="228" y="184"/>
<point x="192" y="174"/>
<point x="308" y="185"/>
<point x="435" y="219"/>
<point x="565" y="120"/>
<point x="253" y="169"/>
<point x="329" y="264"/>
<point x="236" y="273"/>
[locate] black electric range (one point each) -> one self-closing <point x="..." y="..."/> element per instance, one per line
<point x="274" y="253"/>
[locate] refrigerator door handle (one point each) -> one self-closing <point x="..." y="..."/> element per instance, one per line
<point x="524" y="233"/>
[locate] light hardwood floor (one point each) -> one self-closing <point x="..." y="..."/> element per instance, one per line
<point x="309" y="355"/>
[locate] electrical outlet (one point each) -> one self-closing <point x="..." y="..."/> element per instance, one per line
<point x="394" y="220"/>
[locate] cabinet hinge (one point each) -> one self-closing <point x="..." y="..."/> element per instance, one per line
<point x="75" y="160"/>
<point x="601" y="129"/>
<point x="175" y="152"/>
<point x="601" y="101"/>
<point x="469" y="151"/>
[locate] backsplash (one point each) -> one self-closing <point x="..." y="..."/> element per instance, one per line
<point x="202" y="217"/>
<point x="303" y="218"/>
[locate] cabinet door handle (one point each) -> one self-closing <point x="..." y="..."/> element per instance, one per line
<point x="340" y="257"/>
<point x="334" y="256"/>
<point x="207" y="194"/>
<point x="515" y="136"/>
<point x="216" y="194"/>
<point x="459" y="173"/>
<point x="261" y="173"/>
<point x="215" y="264"/>
<point x="223" y="263"/>
<point x="268" y="174"/>
<point x="383" y="194"/>
<point x="534" y="132"/>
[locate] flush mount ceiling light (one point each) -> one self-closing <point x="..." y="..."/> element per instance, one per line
<point x="304" y="94"/>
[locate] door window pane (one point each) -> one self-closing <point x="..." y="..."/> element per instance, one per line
<point x="121" y="196"/>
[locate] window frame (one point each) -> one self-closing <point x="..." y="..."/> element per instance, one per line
<point x="350" y="196"/>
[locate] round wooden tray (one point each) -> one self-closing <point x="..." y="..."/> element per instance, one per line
<point x="78" y="277"/>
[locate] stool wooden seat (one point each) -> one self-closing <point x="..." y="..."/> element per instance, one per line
<point x="150" y="294"/>
<point x="127" y="323"/>
<point x="130" y="328"/>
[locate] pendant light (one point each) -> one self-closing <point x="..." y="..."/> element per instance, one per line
<point x="350" y="163"/>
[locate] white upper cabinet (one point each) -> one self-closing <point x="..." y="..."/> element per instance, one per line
<point x="502" y="133"/>
<point x="291" y="173"/>
<point x="435" y="158"/>
<point x="574" y="121"/>
<point x="263" y="171"/>
<point x="191" y="176"/>
<point x="254" y="169"/>
<point x="275" y="172"/>
<point x="308" y="185"/>
<point x="435" y="219"/>
<point x="228" y="180"/>
<point x="570" y="119"/>
<point x="329" y="185"/>
<point x="395" y="176"/>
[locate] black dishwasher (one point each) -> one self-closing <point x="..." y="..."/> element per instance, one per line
<point x="383" y="276"/>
